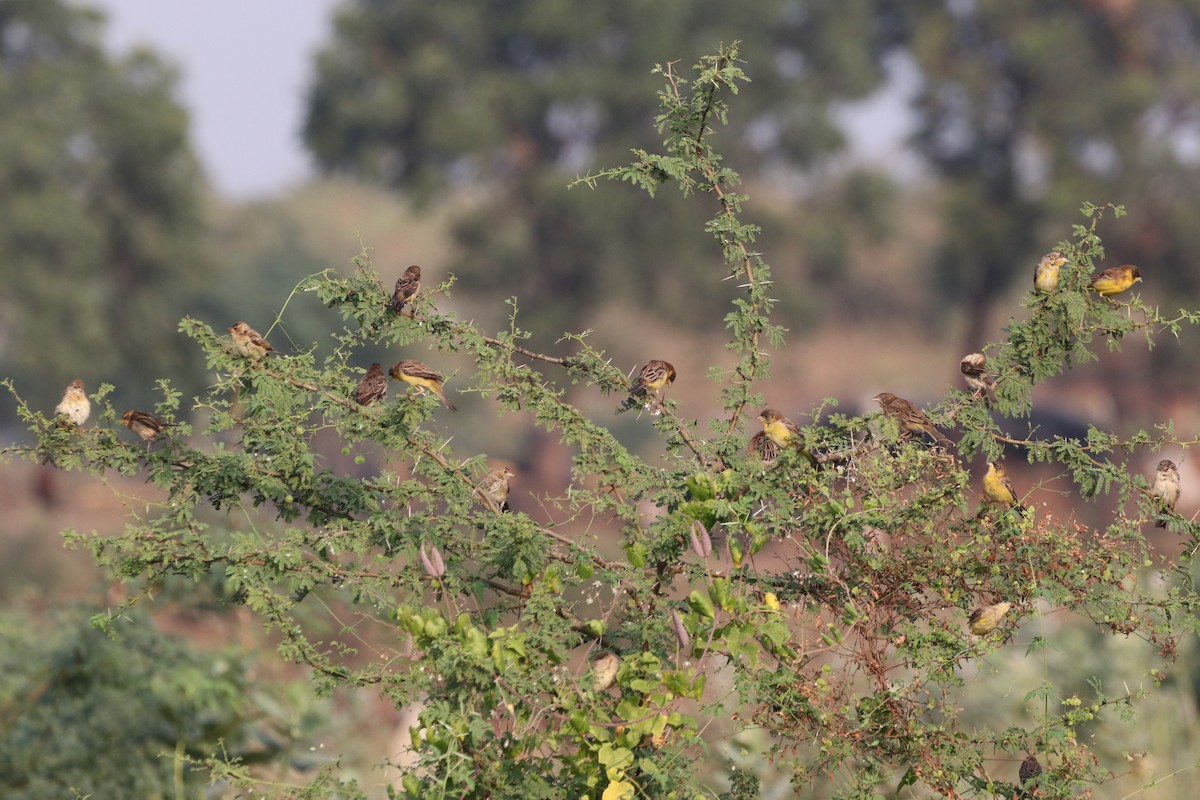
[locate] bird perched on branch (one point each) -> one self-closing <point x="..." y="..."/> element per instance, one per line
<point x="249" y="342"/>
<point x="373" y="386"/>
<point x="1115" y="280"/>
<point x="495" y="486"/>
<point x="997" y="488"/>
<point x="974" y="370"/>
<point x="984" y="620"/>
<point x="764" y="447"/>
<point x="1030" y="769"/>
<point x="74" y="406"/>
<point x="908" y="416"/>
<point x="144" y="424"/>
<point x="782" y="432"/>
<point x="649" y="383"/>
<point x="406" y="287"/>
<point x="421" y="376"/>
<point x="1165" y="489"/>
<point x="1045" y="274"/>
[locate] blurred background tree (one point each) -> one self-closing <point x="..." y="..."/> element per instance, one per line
<point x="506" y="102"/>
<point x="101" y="220"/>
<point x="1026" y="107"/>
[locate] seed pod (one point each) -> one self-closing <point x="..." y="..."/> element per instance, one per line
<point x="701" y="541"/>
<point x="685" y="641"/>
<point x="432" y="561"/>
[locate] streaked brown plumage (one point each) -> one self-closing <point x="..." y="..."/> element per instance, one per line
<point x="373" y="386"/>
<point x="495" y="486"/>
<point x="1165" y="489"/>
<point x="144" y="424"/>
<point x="1030" y="769"/>
<point x="764" y="447"/>
<point x="647" y="387"/>
<point x="74" y="406"/>
<point x="248" y="341"/>
<point x="420" y="375"/>
<point x="974" y="370"/>
<point x="908" y="416"/>
<point x="407" y="285"/>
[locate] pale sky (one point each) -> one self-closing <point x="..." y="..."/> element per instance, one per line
<point x="245" y="66"/>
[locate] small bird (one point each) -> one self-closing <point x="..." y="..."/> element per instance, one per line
<point x="997" y="488"/>
<point x="1165" y="488"/>
<point x="144" y="424"/>
<point x="420" y="375"/>
<point x="1030" y="769"/>
<point x="1045" y="274"/>
<point x="909" y="417"/>
<point x="974" y="370"/>
<point x="1115" y="280"/>
<point x="495" y="486"/>
<point x="782" y="432"/>
<point x="373" y="386"/>
<point x="604" y="671"/>
<point x="406" y="286"/>
<point x="985" y="618"/>
<point x="74" y="405"/>
<point x="653" y="378"/>
<point x="764" y="447"/>
<point x="249" y="342"/>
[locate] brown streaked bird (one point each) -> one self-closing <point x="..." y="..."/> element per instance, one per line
<point x="420" y="375"/>
<point x="1030" y="769"/>
<point x="144" y="424"/>
<point x="985" y="619"/>
<point x="407" y="285"/>
<point x="1115" y="280"/>
<point x="1045" y="274"/>
<point x="974" y="370"/>
<point x="74" y="405"/>
<point x="997" y="488"/>
<point x="655" y="376"/>
<point x="764" y="447"/>
<point x="495" y="486"/>
<point x="1165" y="489"/>
<point x="372" y="386"/>
<point x="249" y="342"/>
<point x="908" y="416"/>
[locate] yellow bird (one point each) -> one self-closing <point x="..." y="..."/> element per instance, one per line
<point x="984" y="620"/>
<point x="421" y="376"/>
<point x="782" y="432"/>
<point x="648" y="385"/>
<point x="1115" y="280"/>
<point x="1045" y="274"/>
<point x="997" y="488"/>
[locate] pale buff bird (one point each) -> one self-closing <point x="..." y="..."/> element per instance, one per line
<point x="74" y="406"/>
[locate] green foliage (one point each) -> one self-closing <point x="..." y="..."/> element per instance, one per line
<point x="820" y="599"/>
<point x="119" y="716"/>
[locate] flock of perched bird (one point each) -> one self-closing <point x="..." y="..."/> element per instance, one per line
<point x="777" y="430"/>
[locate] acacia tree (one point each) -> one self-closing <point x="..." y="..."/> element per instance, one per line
<point x="572" y="650"/>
